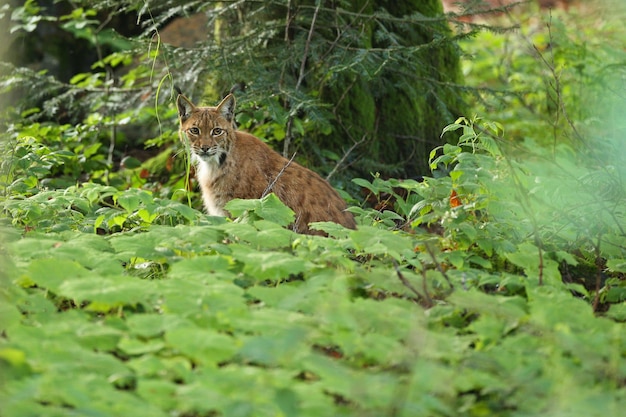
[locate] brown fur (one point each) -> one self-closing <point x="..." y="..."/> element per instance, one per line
<point x="233" y="164"/>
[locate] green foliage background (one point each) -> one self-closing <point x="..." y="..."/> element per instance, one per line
<point x="495" y="286"/>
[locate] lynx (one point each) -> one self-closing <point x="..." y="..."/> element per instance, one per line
<point x="234" y="164"/>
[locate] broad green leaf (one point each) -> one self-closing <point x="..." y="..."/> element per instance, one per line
<point x="159" y="392"/>
<point x="49" y="350"/>
<point x="145" y="215"/>
<point x="272" y="235"/>
<point x="509" y="309"/>
<point x="184" y="210"/>
<point x="616" y="265"/>
<point x="98" y="336"/>
<point x="282" y="347"/>
<point x="268" y="321"/>
<point x="175" y="368"/>
<point x="129" y="202"/>
<point x="528" y="257"/>
<point x="9" y="316"/>
<point x="89" y="251"/>
<point x="209" y="267"/>
<point x="273" y="296"/>
<point x="53" y="273"/>
<point x="370" y="390"/>
<point x="264" y="234"/>
<point x="288" y="401"/>
<point x="85" y="394"/>
<point x="148" y="326"/>
<point x="188" y="296"/>
<point x="271" y="265"/>
<point x="152" y="245"/>
<point x="616" y="294"/>
<point x="202" y="346"/>
<point x="333" y="229"/>
<point x="376" y="241"/>
<point x="363" y="183"/>
<point x="108" y="292"/>
<point x="617" y="312"/>
<point x="269" y="208"/>
<point x="131" y="346"/>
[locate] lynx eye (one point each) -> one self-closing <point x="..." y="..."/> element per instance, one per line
<point x="217" y="131"/>
<point x="194" y="131"/>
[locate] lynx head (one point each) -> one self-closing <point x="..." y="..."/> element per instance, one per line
<point x="209" y="130"/>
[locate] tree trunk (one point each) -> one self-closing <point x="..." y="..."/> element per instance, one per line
<point x="401" y="111"/>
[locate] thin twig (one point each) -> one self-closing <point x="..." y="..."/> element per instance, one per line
<point x="596" y="298"/>
<point x="437" y="264"/>
<point x="345" y="155"/>
<point x="305" y="54"/>
<point x="540" y="252"/>
<point x="406" y="283"/>
<point x="288" y="21"/>
<point x="271" y="185"/>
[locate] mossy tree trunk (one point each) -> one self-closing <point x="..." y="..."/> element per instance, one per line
<point x="401" y="109"/>
<point x="379" y="74"/>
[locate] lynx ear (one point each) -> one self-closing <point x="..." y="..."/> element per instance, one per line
<point x="185" y="107"/>
<point x="227" y="107"/>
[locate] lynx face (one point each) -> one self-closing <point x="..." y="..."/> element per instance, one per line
<point x="208" y="129"/>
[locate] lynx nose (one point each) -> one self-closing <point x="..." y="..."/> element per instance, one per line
<point x="205" y="148"/>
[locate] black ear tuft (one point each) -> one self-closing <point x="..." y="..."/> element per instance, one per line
<point x="241" y="86"/>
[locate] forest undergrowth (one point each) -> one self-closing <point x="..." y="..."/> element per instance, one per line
<point x="494" y="285"/>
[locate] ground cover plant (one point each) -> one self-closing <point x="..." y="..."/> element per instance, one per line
<point x="492" y="286"/>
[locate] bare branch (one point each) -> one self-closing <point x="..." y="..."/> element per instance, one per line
<point x="289" y="130"/>
<point x="596" y="298"/>
<point x="430" y="251"/>
<point x="271" y="185"/>
<point x="345" y="155"/>
<point x="425" y="298"/>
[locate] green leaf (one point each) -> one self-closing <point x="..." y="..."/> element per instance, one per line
<point x="108" y="292"/>
<point x="176" y="368"/>
<point x="269" y="208"/>
<point x="271" y="265"/>
<point x="616" y="265"/>
<point x="509" y="310"/>
<point x="132" y="346"/>
<point x="53" y="273"/>
<point x="203" y="346"/>
<point x="161" y="393"/>
<point x="148" y="326"/>
<point x="280" y="347"/>
<point x="362" y="183"/>
<point x="98" y="337"/>
<point x="617" y="312"/>
<point x="288" y="401"/>
<point x="130" y="162"/>
<point x="207" y="268"/>
<point x="376" y="241"/>
<point x="9" y="317"/>
<point x="451" y="128"/>
<point x="129" y="202"/>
